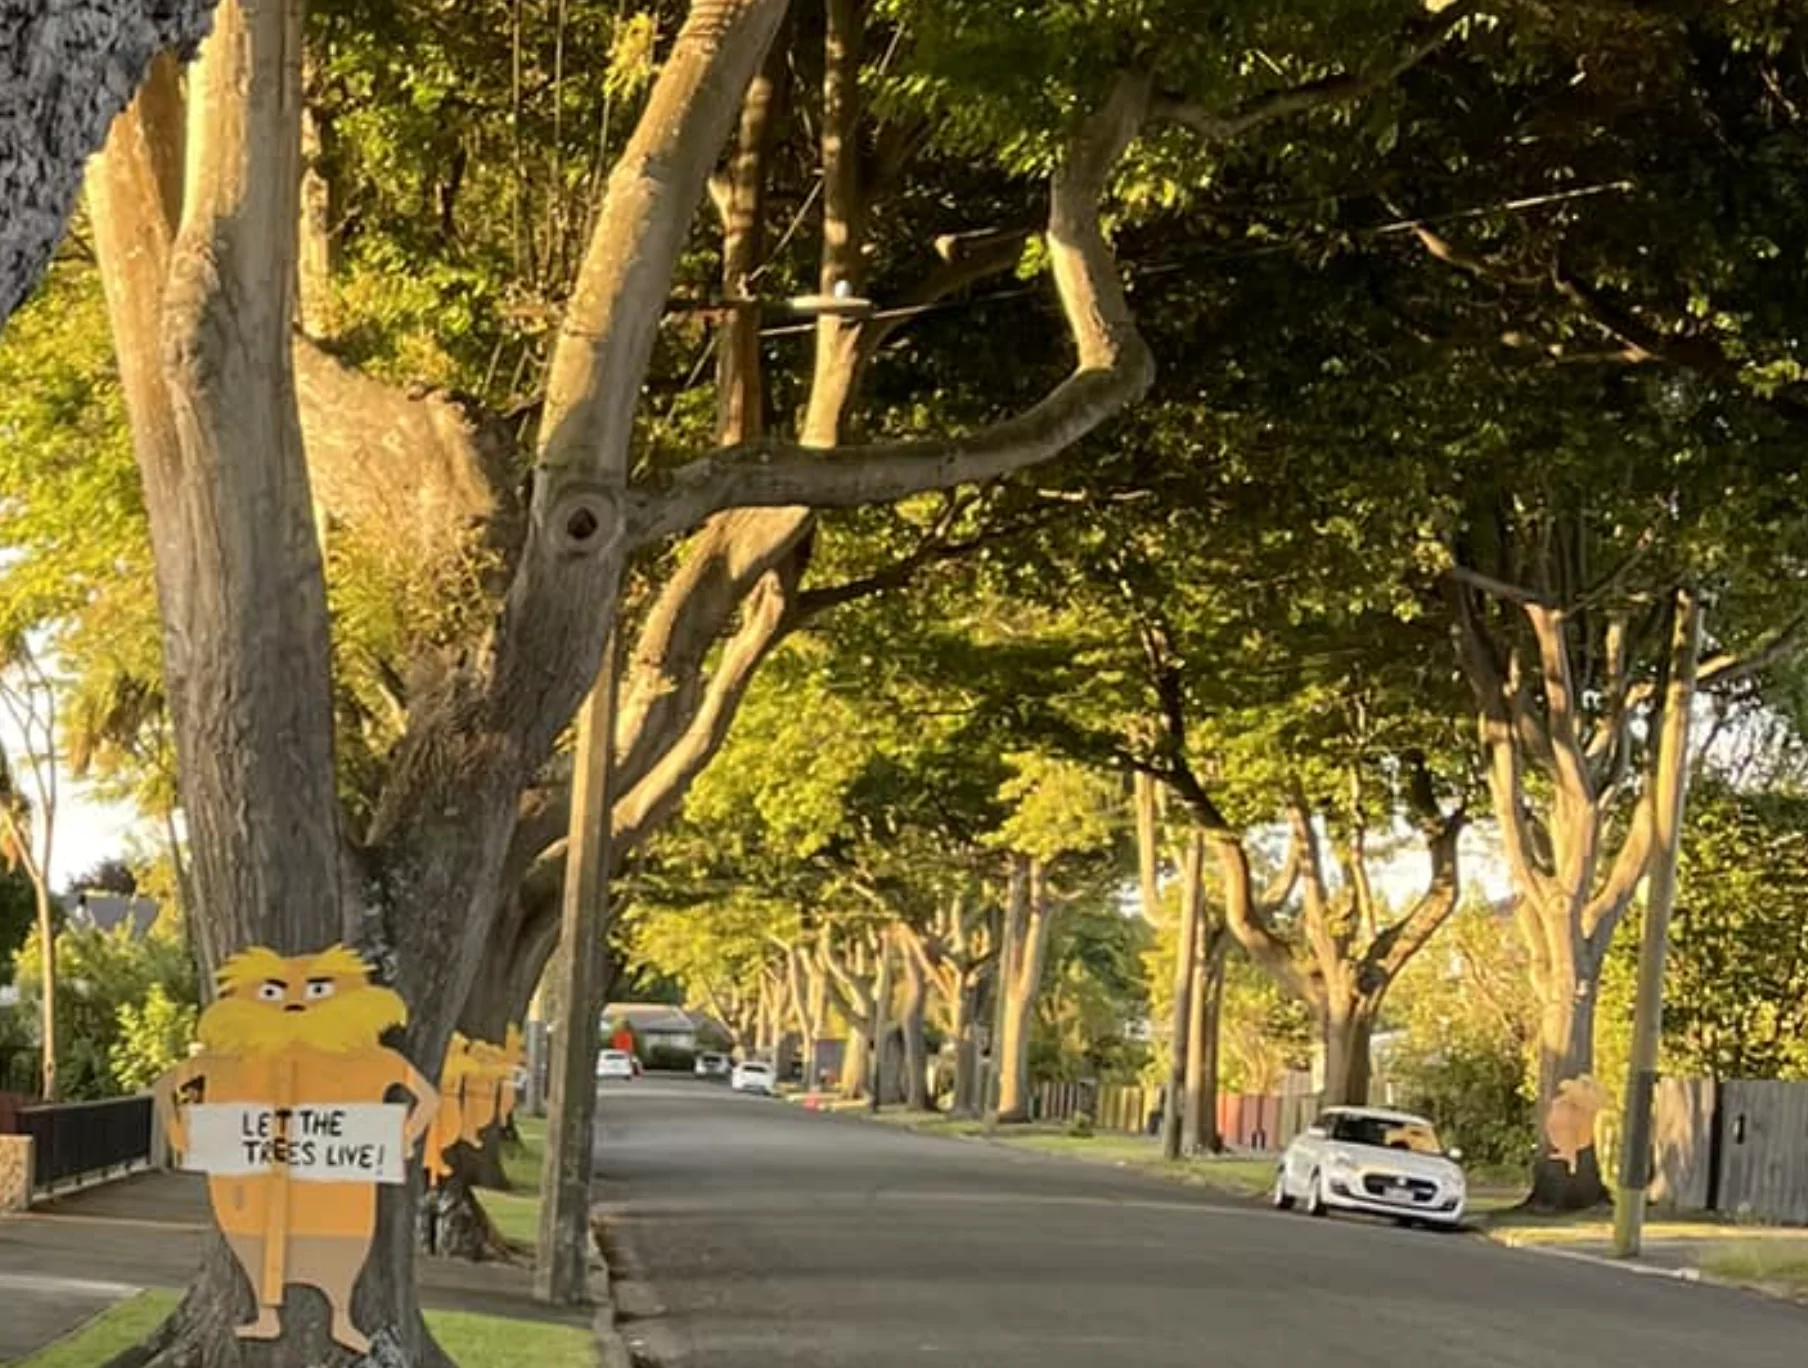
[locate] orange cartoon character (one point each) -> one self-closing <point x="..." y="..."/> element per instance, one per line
<point x="458" y="1085"/>
<point x="285" y="1110"/>
<point x="1570" y="1124"/>
<point x="477" y="1090"/>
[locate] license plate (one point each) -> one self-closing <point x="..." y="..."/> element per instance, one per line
<point x="1399" y="1191"/>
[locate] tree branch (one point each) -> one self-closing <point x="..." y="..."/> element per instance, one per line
<point x="549" y="640"/>
<point x="1506" y="781"/>
<point x="1398" y="943"/>
<point x="1311" y="95"/>
<point x="1114" y="369"/>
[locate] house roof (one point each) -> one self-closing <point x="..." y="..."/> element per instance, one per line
<point x="658" y="1018"/>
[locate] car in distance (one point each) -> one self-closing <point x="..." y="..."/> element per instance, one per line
<point x="753" y="1076"/>
<point x="615" y="1064"/>
<point x="712" y="1065"/>
<point x="1376" y="1161"/>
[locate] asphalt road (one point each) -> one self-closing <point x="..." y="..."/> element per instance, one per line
<point x="750" y="1234"/>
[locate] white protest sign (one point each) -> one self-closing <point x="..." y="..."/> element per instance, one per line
<point x="318" y="1142"/>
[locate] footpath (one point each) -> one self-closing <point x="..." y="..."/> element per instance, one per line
<point x="70" y="1259"/>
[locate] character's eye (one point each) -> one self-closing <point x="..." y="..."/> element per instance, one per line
<point x="319" y="988"/>
<point x="272" y="991"/>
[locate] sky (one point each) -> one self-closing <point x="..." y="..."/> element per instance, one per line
<point x="87" y="831"/>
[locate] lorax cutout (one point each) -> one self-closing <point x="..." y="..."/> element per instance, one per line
<point x="285" y="1109"/>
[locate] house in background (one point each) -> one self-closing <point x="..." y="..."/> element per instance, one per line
<point x="109" y="911"/>
<point x="661" y="1026"/>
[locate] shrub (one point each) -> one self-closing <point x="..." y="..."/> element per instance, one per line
<point x="1079" y="1125"/>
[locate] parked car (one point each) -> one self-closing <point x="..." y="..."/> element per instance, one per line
<point x="712" y="1065"/>
<point x="753" y="1076"/>
<point x="1367" y="1159"/>
<point x="616" y="1064"/>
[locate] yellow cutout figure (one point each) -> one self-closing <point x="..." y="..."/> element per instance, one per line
<point x="1570" y="1126"/>
<point x="294" y="1043"/>
<point x="477" y="1089"/>
<point x="458" y="1093"/>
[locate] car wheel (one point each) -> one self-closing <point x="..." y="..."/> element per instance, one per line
<point x="1282" y="1199"/>
<point x="1315" y="1196"/>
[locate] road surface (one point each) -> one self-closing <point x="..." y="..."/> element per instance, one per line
<point x="751" y="1234"/>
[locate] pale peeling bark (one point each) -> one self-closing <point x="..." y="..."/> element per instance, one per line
<point x="1199" y="1114"/>
<point x="67" y="67"/>
<point x="1029" y="921"/>
<point x="912" y="1019"/>
<point x="1186" y="955"/>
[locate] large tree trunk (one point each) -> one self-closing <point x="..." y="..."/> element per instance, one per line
<point x="856" y="1063"/>
<point x="916" y="1047"/>
<point x="1211" y="1139"/>
<point x="1566" y="1175"/>
<point x="963" y="1024"/>
<point x="1199" y="1116"/>
<point x="1345" y="1029"/>
<point x="1187" y="957"/>
<point x="1030" y="921"/>
<point x="452" y="1222"/>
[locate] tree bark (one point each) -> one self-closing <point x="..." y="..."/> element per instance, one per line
<point x="1346" y="1029"/>
<point x="1566" y="1049"/>
<point x="47" y="970"/>
<point x="916" y="1048"/>
<point x="1031" y="918"/>
<point x="1199" y="1117"/>
<point x="1178" y="1097"/>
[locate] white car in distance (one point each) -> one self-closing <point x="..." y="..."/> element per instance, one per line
<point x="615" y="1064"/>
<point x="754" y="1076"/>
<point x="1371" y="1160"/>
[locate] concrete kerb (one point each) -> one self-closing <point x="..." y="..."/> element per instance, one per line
<point x="1633" y="1266"/>
<point x="611" y="1347"/>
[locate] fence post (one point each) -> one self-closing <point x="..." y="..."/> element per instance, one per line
<point x="15" y="1173"/>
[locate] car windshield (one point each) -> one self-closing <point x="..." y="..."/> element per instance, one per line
<point x="615" y="1057"/>
<point x="1384" y="1132"/>
<point x="755" y="1068"/>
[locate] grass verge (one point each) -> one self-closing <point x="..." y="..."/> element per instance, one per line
<point x="1773" y="1265"/>
<point x="472" y="1341"/>
<point x="1239" y="1175"/>
<point x="517" y="1212"/>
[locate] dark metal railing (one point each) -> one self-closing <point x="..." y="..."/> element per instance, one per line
<point x="74" y="1141"/>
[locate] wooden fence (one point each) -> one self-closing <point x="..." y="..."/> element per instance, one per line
<point x="1246" y="1121"/>
<point x="1737" y="1146"/>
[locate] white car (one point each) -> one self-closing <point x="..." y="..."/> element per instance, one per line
<point x="615" y="1064"/>
<point x="754" y="1076"/>
<point x="711" y="1065"/>
<point x="1366" y="1159"/>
